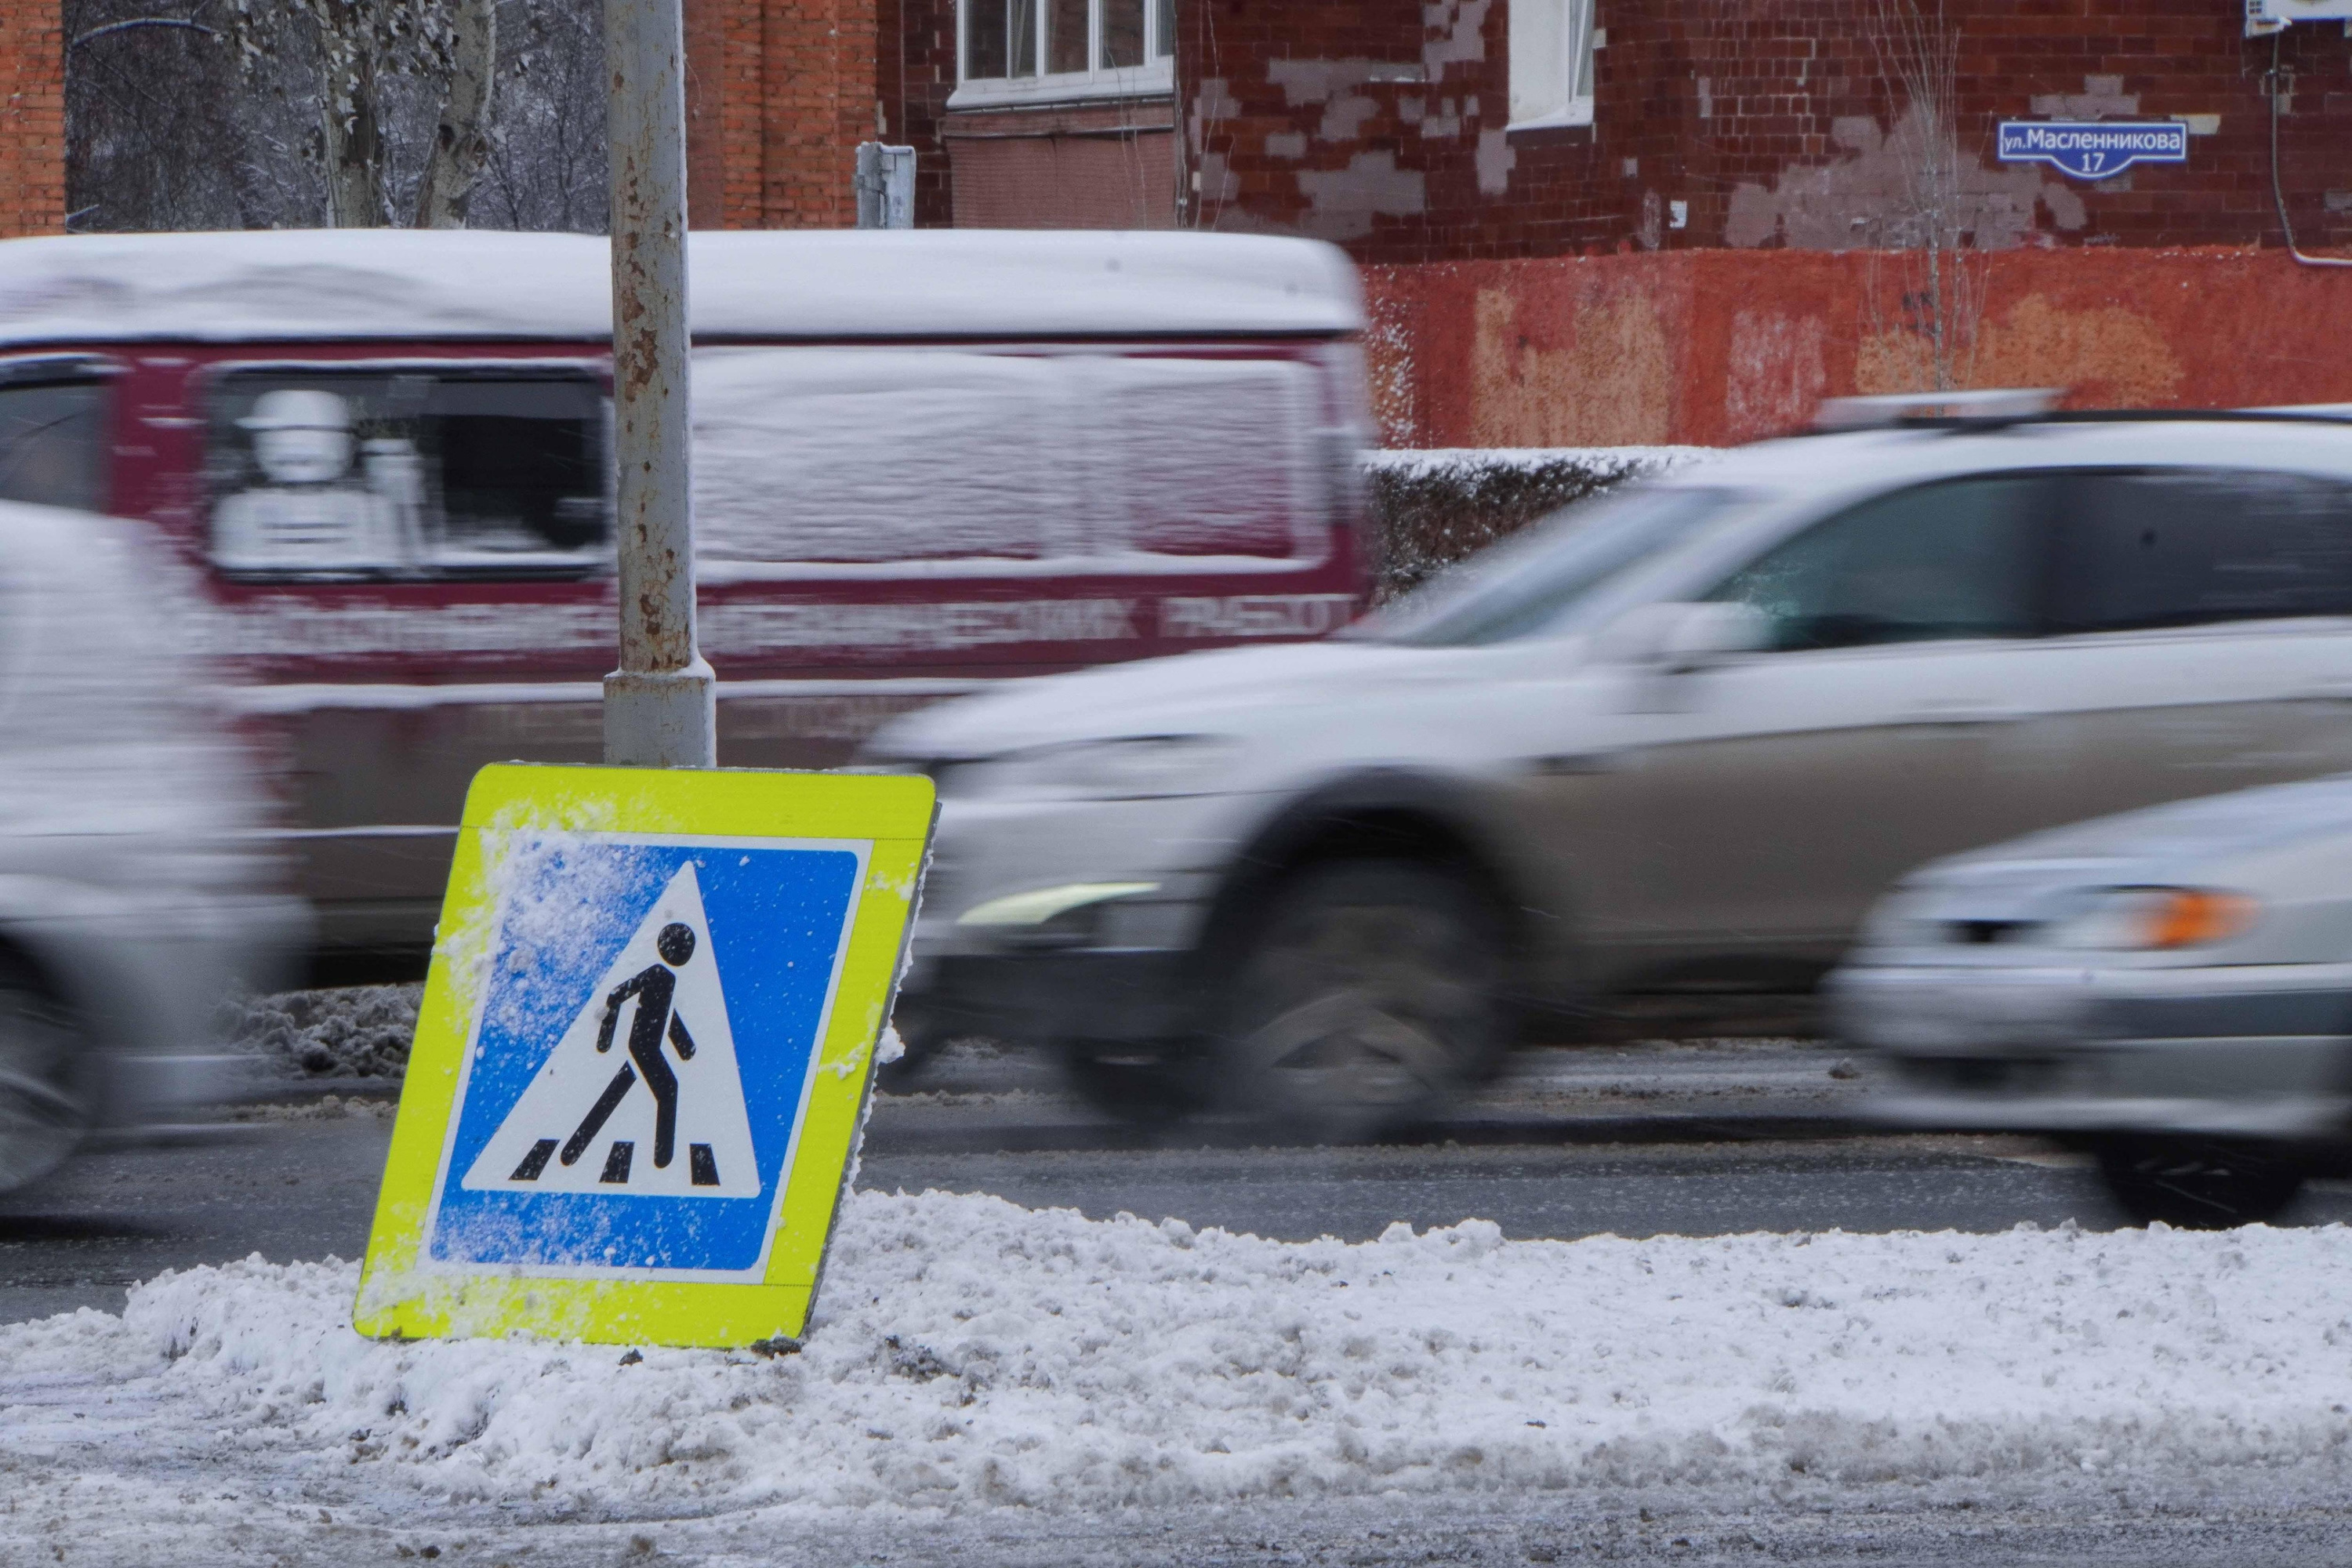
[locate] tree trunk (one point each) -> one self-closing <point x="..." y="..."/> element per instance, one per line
<point x="354" y="140"/>
<point x="461" y="142"/>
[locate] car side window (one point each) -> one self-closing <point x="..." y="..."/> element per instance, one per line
<point x="2193" y="547"/>
<point x="1958" y="558"/>
<point x="389" y="472"/>
<point x="53" y="444"/>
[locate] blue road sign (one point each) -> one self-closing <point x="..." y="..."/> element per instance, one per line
<point x="643" y="1052"/>
<point x="2094" y="148"/>
<point x="639" y="1065"/>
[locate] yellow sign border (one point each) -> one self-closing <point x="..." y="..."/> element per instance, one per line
<point x="403" y="1297"/>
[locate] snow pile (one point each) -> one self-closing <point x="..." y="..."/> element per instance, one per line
<point x="969" y="1352"/>
<point x="356" y="1031"/>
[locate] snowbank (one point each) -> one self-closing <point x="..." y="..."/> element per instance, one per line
<point x="970" y="1353"/>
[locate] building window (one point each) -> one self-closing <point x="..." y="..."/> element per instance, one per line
<point x="1016" y="51"/>
<point x="1552" y="43"/>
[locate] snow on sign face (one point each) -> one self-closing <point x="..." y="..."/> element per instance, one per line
<point x="646" y="1037"/>
<point x="636" y="1098"/>
<point x="641" y="1060"/>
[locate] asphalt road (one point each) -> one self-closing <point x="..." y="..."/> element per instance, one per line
<point x="1692" y="1140"/>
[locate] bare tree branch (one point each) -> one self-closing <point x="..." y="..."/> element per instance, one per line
<point x="135" y="23"/>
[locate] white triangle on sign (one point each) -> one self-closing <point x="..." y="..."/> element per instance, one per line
<point x="590" y="1122"/>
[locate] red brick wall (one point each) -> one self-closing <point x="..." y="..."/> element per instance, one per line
<point x="917" y="84"/>
<point x="32" y="119"/>
<point x="1778" y="122"/>
<point x="1718" y="346"/>
<point x="779" y="92"/>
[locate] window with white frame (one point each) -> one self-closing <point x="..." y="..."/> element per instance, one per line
<point x="1552" y="42"/>
<point x="1039" y="50"/>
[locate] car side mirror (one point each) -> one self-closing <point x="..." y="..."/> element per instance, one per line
<point x="1677" y="638"/>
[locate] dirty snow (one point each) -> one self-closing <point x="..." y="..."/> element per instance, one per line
<point x="353" y="1031"/>
<point x="970" y="1353"/>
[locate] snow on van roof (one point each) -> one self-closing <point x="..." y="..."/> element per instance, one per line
<point x="290" y="285"/>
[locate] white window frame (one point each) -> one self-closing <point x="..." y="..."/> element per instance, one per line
<point x="1155" y="77"/>
<point x="1551" y="49"/>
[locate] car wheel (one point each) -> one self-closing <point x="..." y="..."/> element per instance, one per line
<point x="2197" y="1185"/>
<point x="49" y="1083"/>
<point x="1369" y="997"/>
<point x="1149" y="1085"/>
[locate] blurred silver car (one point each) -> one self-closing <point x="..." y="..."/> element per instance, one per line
<point x="2171" y="988"/>
<point x="131" y="898"/>
<point x="1682" y="738"/>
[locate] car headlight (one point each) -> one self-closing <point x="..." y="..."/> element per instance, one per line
<point x="1144" y="767"/>
<point x="2151" y="919"/>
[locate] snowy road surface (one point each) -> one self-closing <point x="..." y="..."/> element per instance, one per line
<point x="991" y="1382"/>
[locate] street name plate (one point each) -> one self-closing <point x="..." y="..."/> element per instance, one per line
<point x="2094" y="149"/>
<point x="642" y="1054"/>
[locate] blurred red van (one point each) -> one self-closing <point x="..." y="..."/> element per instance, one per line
<point x="924" y="462"/>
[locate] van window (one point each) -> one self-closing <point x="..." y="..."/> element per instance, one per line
<point x="1204" y="457"/>
<point x="53" y="444"/>
<point x="873" y="455"/>
<point x="2196" y="546"/>
<point x="401" y="473"/>
<point x="1961" y="558"/>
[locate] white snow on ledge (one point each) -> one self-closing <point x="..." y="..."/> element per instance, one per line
<point x="971" y="1353"/>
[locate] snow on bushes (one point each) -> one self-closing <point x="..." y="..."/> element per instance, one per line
<point x="1431" y="507"/>
<point x="970" y="1352"/>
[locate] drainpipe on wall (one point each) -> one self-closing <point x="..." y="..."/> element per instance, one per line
<point x="2273" y="79"/>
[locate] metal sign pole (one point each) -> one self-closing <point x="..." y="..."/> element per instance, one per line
<point x="661" y="705"/>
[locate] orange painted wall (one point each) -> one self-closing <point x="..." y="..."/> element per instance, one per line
<point x="1712" y="347"/>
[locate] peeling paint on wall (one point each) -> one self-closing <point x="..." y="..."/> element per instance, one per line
<point x="1608" y="384"/>
<point x="1496" y="162"/>
<point x="1716" y="346"/>
<point x="2108" y="356"/>
<point x="1345" y="201"/>
<point x="1868" y="198"/>
<point x="1774" y="375"/>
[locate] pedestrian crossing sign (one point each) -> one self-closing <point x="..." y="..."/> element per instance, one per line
<point x="643" y="1053"/>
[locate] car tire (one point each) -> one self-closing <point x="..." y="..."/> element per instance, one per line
<point x="1144" y="1084"/>
<point x="2197" y="1185"/>
<point x="51" y="1084"/>
<point x="1369" y="994"/>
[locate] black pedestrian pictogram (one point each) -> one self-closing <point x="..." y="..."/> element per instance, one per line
<point x="641" y="1094"/>
<point x="654" y="987"/>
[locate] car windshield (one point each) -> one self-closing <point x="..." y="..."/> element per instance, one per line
<point x="1527" y="584"/>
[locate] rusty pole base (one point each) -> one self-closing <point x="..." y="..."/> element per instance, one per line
<point x="664" y="719"/>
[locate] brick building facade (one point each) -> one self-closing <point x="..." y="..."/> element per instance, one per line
<point x="1389" y="127"/>
<point x="1580" y="220"/>
<point x="32" y="117"/>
